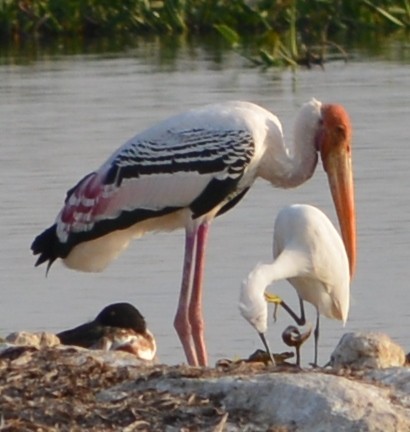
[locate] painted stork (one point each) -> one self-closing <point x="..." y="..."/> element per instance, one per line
<point x="187" y="170"/>
<point x="310" y="254"/>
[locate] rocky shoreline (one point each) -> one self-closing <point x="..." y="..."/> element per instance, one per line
<point x="56" y="388"/>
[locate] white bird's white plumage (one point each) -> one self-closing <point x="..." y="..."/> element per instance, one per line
<point x="172" y="163"/>
<point x="310" y="254"/>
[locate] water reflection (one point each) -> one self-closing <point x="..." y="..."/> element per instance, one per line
<point x="164" y="52"/>
<point x="170" y="50"/>
<point x="62" y="115"/>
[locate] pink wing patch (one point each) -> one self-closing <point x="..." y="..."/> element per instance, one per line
<point x="86" y="204"/>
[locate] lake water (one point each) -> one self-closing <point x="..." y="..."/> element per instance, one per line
<point x="62" y="114"/>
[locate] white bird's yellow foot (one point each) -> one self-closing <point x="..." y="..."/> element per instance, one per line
<point x="276" y="300"/>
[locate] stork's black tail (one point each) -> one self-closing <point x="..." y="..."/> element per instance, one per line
<point x="47" y="245"/>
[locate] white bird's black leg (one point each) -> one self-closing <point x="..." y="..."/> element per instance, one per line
<point x="273" y="298"/>
<point x="302" y="320"/>
<point x="316" y="336"/>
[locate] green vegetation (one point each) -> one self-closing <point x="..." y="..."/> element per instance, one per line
<point x="283" y="31"/>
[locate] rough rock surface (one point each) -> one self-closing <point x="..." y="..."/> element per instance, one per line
<point x="38" y="340"/>
<point x="295" y="401"/>
<point x="69" y="389"/>
<point x="361" y="350"/>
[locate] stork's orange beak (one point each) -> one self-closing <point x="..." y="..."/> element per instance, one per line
<point x="335" y="149"/>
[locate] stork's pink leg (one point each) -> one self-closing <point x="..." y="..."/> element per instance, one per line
<point x="181" y="321"/>
<point x="195" y="307"/>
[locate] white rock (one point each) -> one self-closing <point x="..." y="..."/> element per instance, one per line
<point x="397" y="378"/>
<point x="362" y="350"/>
<point x="302" y="401"/>
<point x="38" y="340"/>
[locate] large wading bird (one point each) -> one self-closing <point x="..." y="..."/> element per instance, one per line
<point x="185" y="171"/>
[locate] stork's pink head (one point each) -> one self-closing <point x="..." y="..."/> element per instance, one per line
<point x="334" y="144"/>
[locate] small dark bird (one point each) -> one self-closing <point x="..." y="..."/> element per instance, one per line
<point x="294" y="338"/>
<point x="119" y="326"/>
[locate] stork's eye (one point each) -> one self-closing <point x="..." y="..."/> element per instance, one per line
<point x="341" y="131"/>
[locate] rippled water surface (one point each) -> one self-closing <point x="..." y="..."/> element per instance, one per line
<point x="62" y="115"/>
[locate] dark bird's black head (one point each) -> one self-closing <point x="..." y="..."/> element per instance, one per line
<point x="119" y="315"/>
<point x="293" y="337"/>
<point x="122" y="315"/>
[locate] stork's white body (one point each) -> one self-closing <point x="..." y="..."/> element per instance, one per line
<point x="227" y="134"/>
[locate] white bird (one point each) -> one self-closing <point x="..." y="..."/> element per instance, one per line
<point x="310" y="254"/>
<point x="185" y="171"/>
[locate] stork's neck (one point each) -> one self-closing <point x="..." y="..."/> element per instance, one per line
<point x="287" y="165"/>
